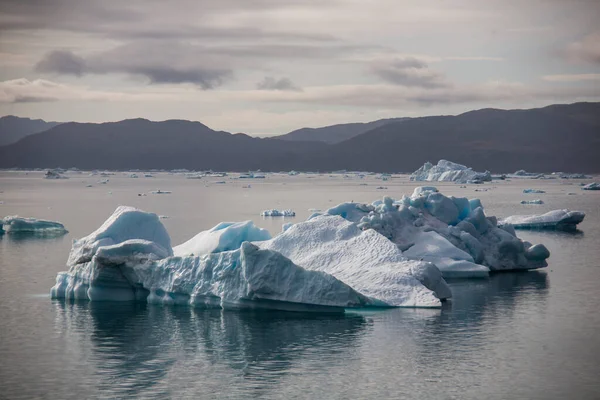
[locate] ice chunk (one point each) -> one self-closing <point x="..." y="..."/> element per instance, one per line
<point x="533" y="191"/>
<point x="591" y="186"/>
<point x="160" y="192"/>
<point x="402" y="222"/>
<point x="54" y="174"/>
<point x="447" y="171"/>
<point x="16" y="224"/>
<point x="557" y="219"/>
<point x="124" y="224"/>
<point x="365" y="260"/>
<point x="223" y="237"/>
<point x="278" y="213"/>
<point x="536" y="201"/>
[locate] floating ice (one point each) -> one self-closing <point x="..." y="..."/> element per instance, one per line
<point x="447" y="171"/>
<point x="536" y="201"/>
<point x="133" y="176"/>
<point x="572" y="176"/>
<point x="557" y="219"/>
<point x="129" y="258"/>
<point x="16" y="224"/>
<point x="365" y="260"/>
<point x="54" y="174"/>
<point x="524" y="174"/>
<point x="223" y="237"/>
<point x="278" y="213"/>
<point x="460" y="221"/>
<point x="591" y="186"/>
<point x="533" y="191"/>
<point x="160" y="192"/>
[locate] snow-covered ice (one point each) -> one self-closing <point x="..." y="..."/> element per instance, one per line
<point x="16" y="224"/>
<point x="447" y="171"/>
<point x="278" y="213"/>
<point x="557" y="219"/>
<point x="225" y="236"/>
<point x="365" y="260"/>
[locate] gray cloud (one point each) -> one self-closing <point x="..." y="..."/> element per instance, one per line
<point x="271" y="83"/>
<point x="408" y="72"/>
<point x="62" y="62"/>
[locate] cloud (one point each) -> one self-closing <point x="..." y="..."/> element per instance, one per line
<point x="585" y="50"/>
<point x="572" y="77"/>
<point x="62" y="62"/>
<point x="410" y="72"/>
<point x="270" y="83"/>
<point x="25" y="91"/>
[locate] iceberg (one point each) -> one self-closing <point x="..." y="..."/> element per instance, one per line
<point x="54" y="174"/>
<point x="365" y="260"/>
<point x="591" y="186"/>
<point x="129" y="258"/>
<point x="277" y="213"/>
<point x="557" y="219"/>
<point x="225" y="236"/>
<point x="536" y="201"/>
<point x="460" y="221"/>
<point x="524" y="174"/>
<point x="16" y="224"/>
<point x="537" y="191"/>
<point x="447" y="171"/>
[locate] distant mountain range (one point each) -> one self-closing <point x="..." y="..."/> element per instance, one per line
<point x="335" y="133"/>
<point x="555" y="138"/>
<point x="13" y="129"/>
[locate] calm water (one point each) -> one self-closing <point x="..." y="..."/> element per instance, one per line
<point x="516" y="335"/>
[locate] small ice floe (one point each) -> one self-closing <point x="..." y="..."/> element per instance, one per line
<point x="16" y="224"/>
<point x="381" y="187"/>
<point x="148" y="176"/>
<point x="536" y="201"/>
<point x="533" y="191"/>
<point x="160" y="192"/>
<point x="219" y="182"/>
<point x="591" y="186"/>
<point x="103" y="181"/>
<point x="133" y="176"/>
<point x="278" y="213"/>
<point x="557" y="219"/>
<point x="163" y="217"/>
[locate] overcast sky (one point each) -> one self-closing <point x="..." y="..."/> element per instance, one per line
<point x="270" y="66"/>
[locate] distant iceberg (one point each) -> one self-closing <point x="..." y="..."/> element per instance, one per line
<point x="591" y="186"/>
<point x="536" y="201"/>
<point x="524" y="174"/>
<point x="447" y="171"/>
<point x="557" y="219"/>
<point x="537" y="191"/>
<point x="54" y="174"/>
<point x="16" y="224"/>
<point x="278" y="213"/>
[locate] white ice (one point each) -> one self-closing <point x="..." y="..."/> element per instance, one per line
<point x="365" y="260"/>
<point x="223" y="237"/>
<point x="557" y="219"/>
<point x="591" y="186"/>
<point x="16" y="224"/>
<point x="54" y="174"/>
<point x="536" y="201"/>
<point x="447" y="171"/>
<point x="278" y="213"/>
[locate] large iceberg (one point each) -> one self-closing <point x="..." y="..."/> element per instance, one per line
<point x="557" y="219"/>
<point x="447" y="171"/>
<point x="129" y="258"/>
<point x="457" y="224"/>
<point x="16" y="224"/>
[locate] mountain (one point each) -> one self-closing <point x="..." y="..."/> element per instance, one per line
<point x="334" y="133"/>
<point x="139" y="143"/>
<point x="13" y="129"/>
<point x="555" y="138"/>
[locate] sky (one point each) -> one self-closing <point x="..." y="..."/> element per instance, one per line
<point x="266" y="67"/>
